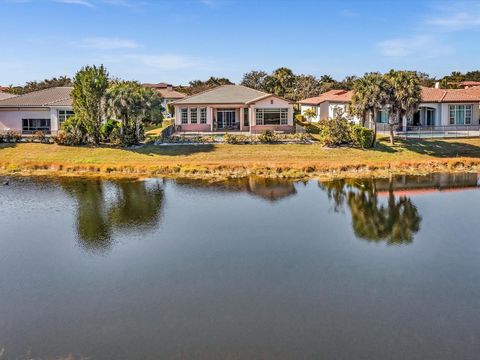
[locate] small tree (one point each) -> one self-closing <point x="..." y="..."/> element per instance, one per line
<point x="89" y="88"/>
<point x="309" y="114"/>
<point x="131" y="104"/>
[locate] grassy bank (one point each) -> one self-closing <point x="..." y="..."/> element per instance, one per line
<point x="219" y="161"/>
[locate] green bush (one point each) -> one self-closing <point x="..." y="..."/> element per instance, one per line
<point x="267" y="137"/>
<point x="108" y="127"/>
<point x="73" y="132"/>
<point x="335" y="132"/>
<point x="361" y="136"/>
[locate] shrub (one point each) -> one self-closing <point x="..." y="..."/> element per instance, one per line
<point x="12" y="136"/>
<point x="40" y="136"/>
<point x="75" y="132"/>
<point x="335" y="132"/>
<point x="361" y="136"/>
<point x="299" y="117"/>
<point x="267" y="137"/>
<point x="236" y="139"/>
<point x="108" y="127"/>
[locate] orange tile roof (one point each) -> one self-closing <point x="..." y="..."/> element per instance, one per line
<point x="170" y="94"/>
<point x="469" y="83"/>
<point x="451" y="95"/>
<point x="331" y="95"/>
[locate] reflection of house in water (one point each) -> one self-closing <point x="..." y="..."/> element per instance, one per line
<point x="407" y="185"/>
<point x="268" y="189"/>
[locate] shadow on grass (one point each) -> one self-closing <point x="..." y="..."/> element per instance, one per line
<point x="173" y="150"/>
<point x="7" y="145"/>
<point x="436" y="148"/>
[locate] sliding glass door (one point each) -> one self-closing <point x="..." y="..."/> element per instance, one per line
<point x="226" y="119"/>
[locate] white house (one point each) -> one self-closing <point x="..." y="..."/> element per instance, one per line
<point x="167" y="93"/>
<point x="328" y="105"/>
<point x="439" y="107"/>
<point x="233" y="108"/>
<point x="42" y="110"/>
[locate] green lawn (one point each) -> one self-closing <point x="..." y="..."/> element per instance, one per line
<point x="284" y="160"/>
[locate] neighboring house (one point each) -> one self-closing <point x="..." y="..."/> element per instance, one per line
<point x="328" y="105"/>
<point x="233" y="108"/>
<point x="42" y="110"/>
<point x="167" y="93"/>
<point x="439" y="107"/>
<point x="5" y="95"/>
<point x="468" y="84"/>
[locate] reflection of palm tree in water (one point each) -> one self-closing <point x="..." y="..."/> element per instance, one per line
<point x="135" y="207"/>
<point x="395" y="222"/>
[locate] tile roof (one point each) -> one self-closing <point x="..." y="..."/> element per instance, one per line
<point x="170" y="94"/>
<point x="161" y="85"/>
<point x="56" y="96"/>
<point x="331" y="95"/>
<point x="469" y="83"/>
<point x="225" y="94"/>
<point x="4" y="95"/>
<point x="450" y="95"/>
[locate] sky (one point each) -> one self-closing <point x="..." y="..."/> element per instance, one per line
<point x="177" y="41"/>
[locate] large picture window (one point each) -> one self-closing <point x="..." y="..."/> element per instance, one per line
<point x="193" y="115"/>
<point x="460" y="114"/>
<point x="203" y="115"/>
<point x="30" y="126"/>
<point x="271" y="116"/>
<point x="64" y="115"/>
<point x="184" y="116"/>
<point x="245" y="117"/>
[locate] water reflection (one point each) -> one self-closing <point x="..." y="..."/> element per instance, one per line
<point x="103" y="207"/>
<point x="396" y="220"/>
<point x="268" y="189"/>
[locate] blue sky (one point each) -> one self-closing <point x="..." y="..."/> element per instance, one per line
<point x="178" y="41"/>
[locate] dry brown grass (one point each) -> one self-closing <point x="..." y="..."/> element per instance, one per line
<point x="293" y="160"/>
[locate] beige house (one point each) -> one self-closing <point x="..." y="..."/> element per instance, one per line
<point x="233" y="108"/>
<point x="43" y="110"/>
<point x="167" y="93"/>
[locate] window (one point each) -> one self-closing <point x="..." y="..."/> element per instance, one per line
<point x="338" y="111"/>
<point x="184" y="116"/>
<point x="30" y="126"/>
<point x="460" y="114"/>
<point x="382" y="117"/>
<point x="193" y="115"/>
<point x="63" y="115"/>
<point x="271" y="116"/>
<point x="203" y="115"/>
<point x="245" y="117"/>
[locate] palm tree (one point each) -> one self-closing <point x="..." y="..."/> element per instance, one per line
<point x="369" y="96"/>
<point x="309" y="114"/>
<point x="404" y="96"/>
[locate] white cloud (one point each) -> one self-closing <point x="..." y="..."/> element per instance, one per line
<point x="457" y="21"/>
<point x="105" y="43"/>
<point x="77" y="2"/>
<point x="208" y="2"/>
<point x="421" y="45"/>
<point x="348" y="13"/>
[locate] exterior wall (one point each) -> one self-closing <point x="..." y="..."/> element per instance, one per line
<point x="271" y="102"/>
<point x="444" y="116"/>
<point x="11" y="119"/>
<point x="303" y="108"/>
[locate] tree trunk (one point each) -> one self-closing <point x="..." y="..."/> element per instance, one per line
<point x="374" y="138"/>
<point x="392" y="141"/>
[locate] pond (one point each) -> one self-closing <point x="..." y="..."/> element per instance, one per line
<point x="245" y="269"/>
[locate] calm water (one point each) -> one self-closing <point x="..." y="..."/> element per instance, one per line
<point x="252" y="269"/>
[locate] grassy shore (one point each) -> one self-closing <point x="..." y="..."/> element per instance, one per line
<point x="221" y="161"/>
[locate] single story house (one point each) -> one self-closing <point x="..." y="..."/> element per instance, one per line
<point x="42" y="110"/>
<point x="328" y="105"/>
<point x="233" y="108"/>
<point x="167" y="93"/>
<point x="439" y="107"/>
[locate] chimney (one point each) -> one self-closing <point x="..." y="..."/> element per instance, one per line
<point x="437" y="84"/>
<point x="169" y="87"/>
